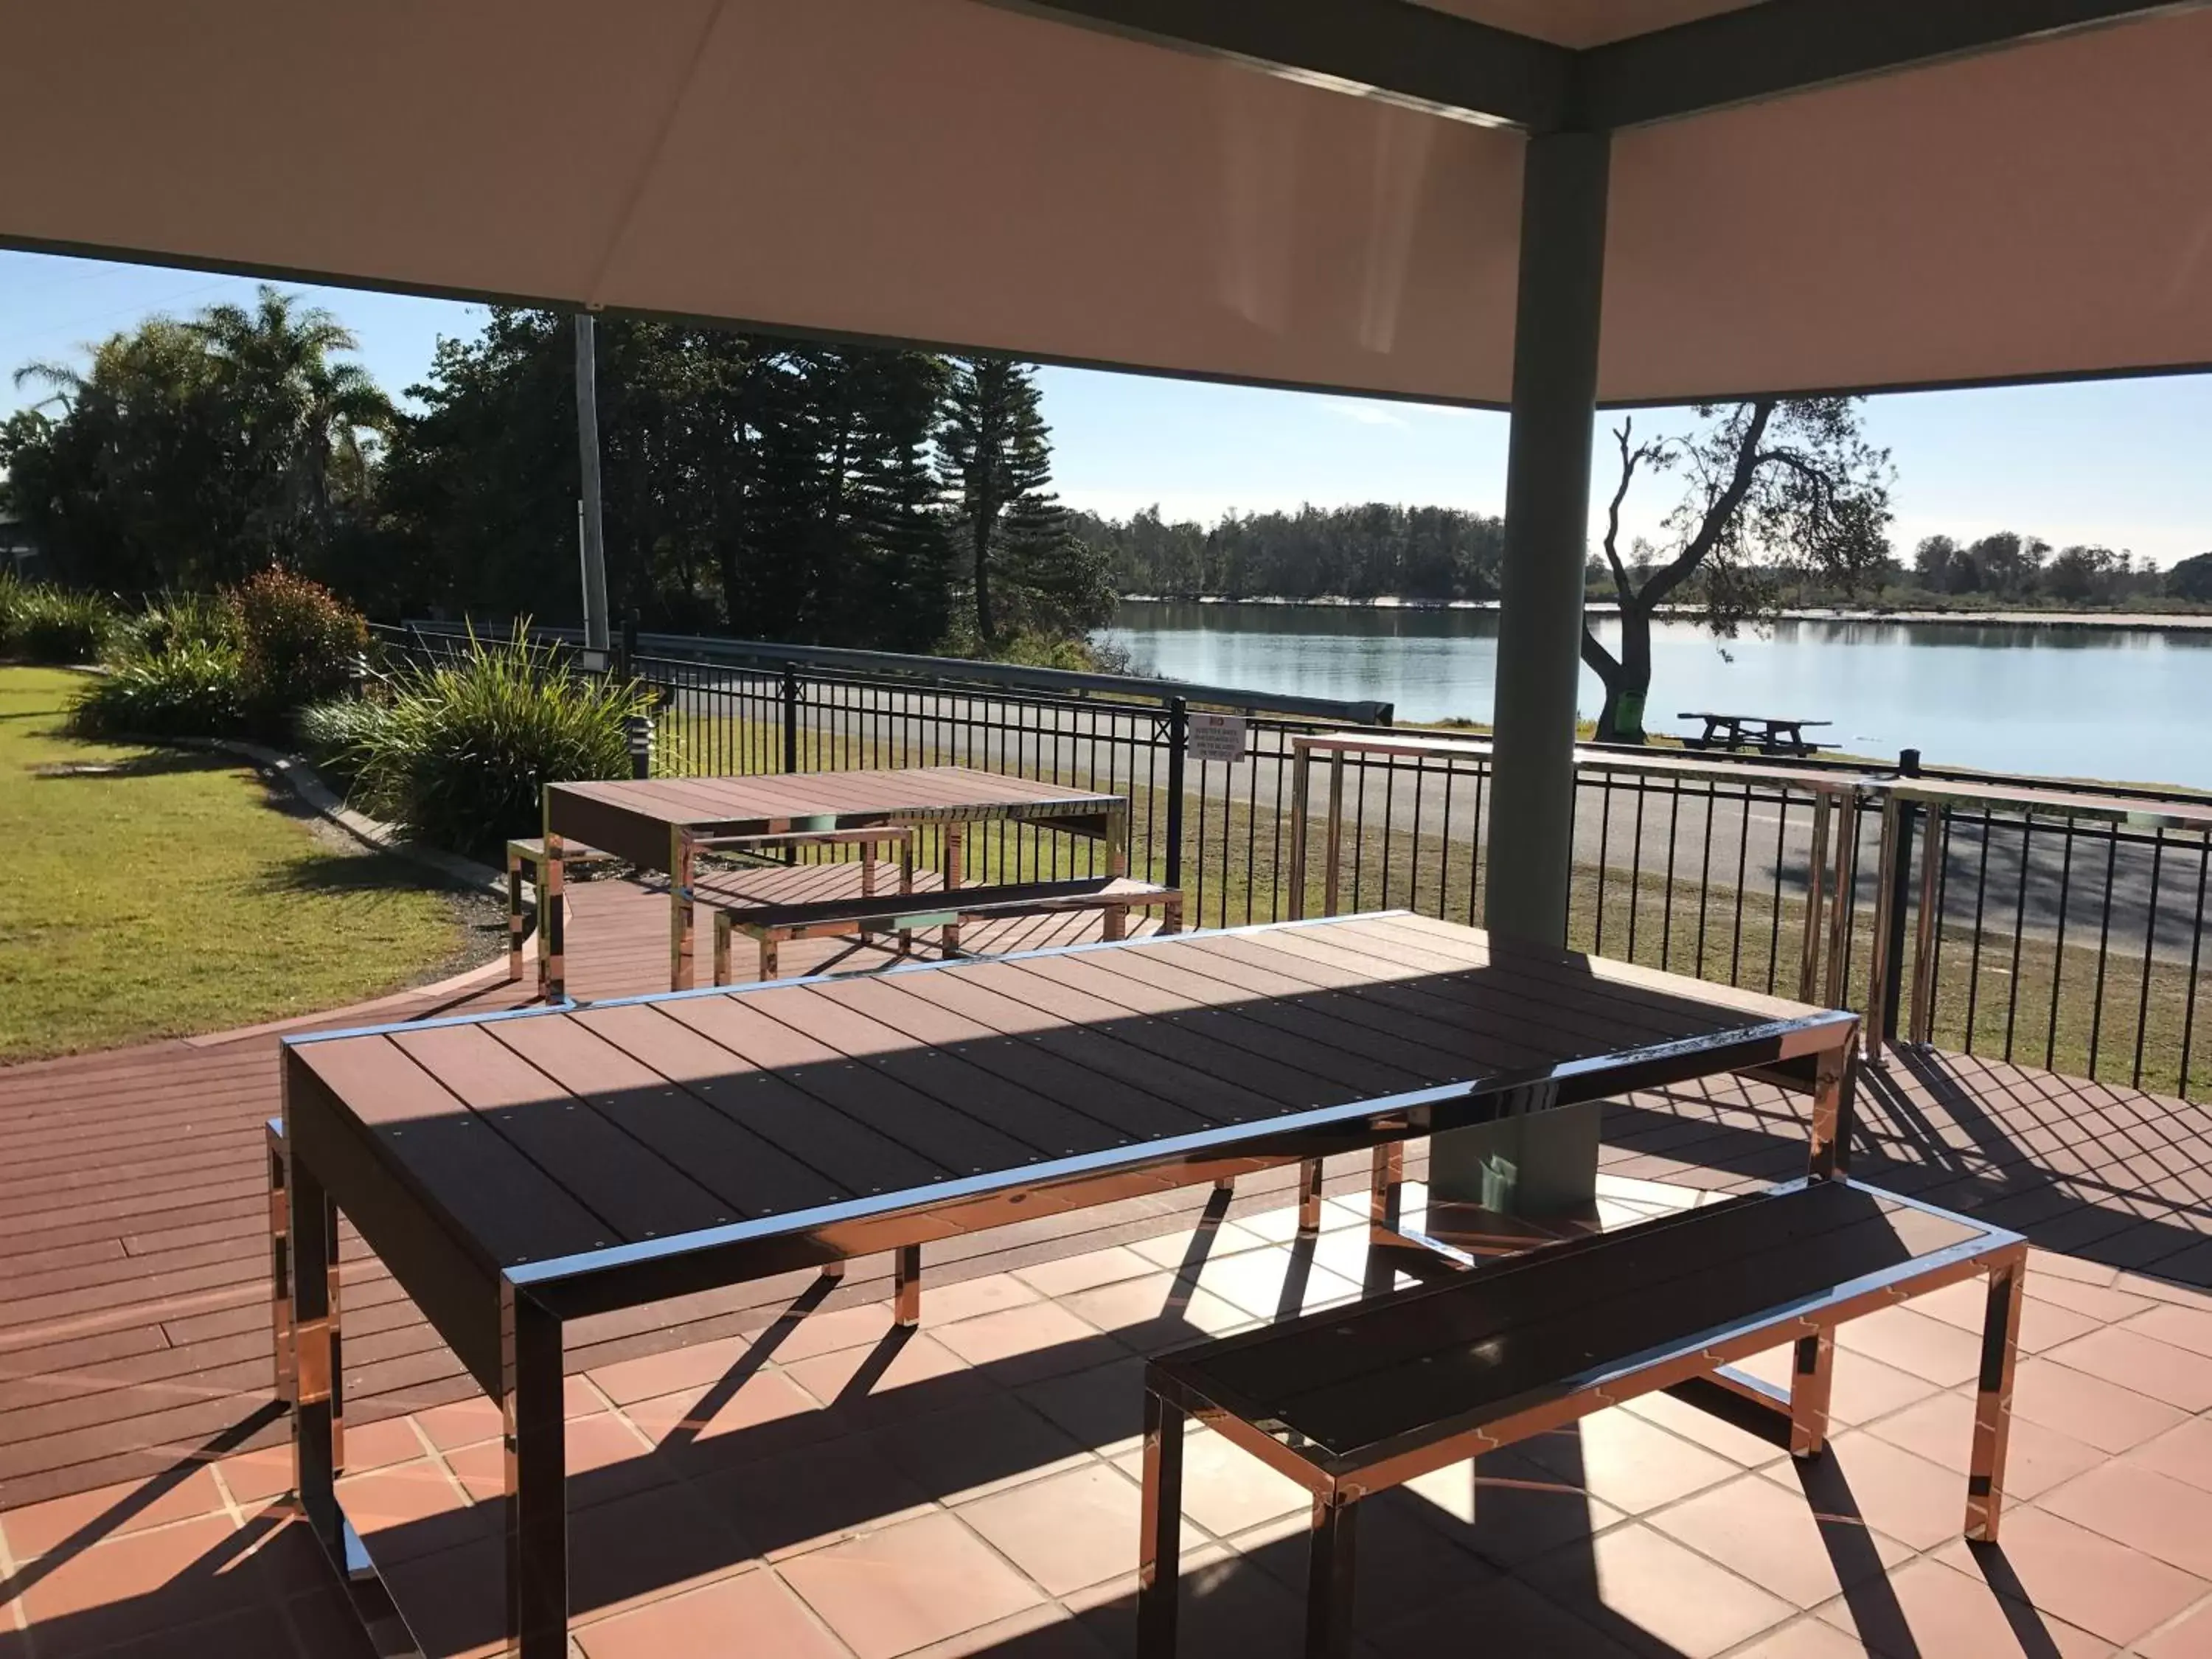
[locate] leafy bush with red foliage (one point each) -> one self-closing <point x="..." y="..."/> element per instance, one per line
<point x="299" y="643"/>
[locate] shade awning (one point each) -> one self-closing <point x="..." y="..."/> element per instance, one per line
<point x="960" y="175"/>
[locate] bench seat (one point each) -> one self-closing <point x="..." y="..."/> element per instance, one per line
<point x="1353" y="1401"/>
<point x="769" y="923"/>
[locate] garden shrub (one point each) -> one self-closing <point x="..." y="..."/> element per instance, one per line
<point x="40" y="622"/>
<point x="188" y="690"/>
<point x="174" y="618"/>
<point x="465" y="746"/>
<point x="337" y="735"/>
<point x="300" y="643"/>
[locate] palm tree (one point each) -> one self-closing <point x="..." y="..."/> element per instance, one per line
<point x="302" y="417"/>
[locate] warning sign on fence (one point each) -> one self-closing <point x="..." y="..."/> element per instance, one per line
<point x="1217" y="738"/>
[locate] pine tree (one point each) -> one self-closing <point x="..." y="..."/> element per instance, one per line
<point x="1026" y="566"/>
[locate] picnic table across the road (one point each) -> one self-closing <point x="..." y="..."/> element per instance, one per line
<point x="1770" y="734"/>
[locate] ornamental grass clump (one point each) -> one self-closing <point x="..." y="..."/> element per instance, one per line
<point x="464" y="747"/>
<point x="42" y="624"/>
<point x="188" y="688"/>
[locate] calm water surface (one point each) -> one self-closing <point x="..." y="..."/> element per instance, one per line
<point x="2078" y="702"/>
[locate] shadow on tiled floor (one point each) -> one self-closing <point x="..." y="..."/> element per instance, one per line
<point x="833" y="1487"/>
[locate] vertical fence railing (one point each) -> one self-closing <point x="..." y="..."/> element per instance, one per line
<point x="2044" y="934"/>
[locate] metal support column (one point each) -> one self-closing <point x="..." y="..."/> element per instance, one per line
<point x="1547" y="533"/>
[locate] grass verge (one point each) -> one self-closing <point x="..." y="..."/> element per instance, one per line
<point x="155" y="892"/>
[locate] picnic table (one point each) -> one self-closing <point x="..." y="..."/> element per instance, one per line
<point x="655" y="824"/>
<point x="1768" y="734"/>
<point x="517" y="1171"/>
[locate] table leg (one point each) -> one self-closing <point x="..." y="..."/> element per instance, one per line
<point x="1328" y="1579"/>
<point x="318" y="1361"/>
<point x="1117" y="865"/>
<point x="552" y="926"/>
<point x="680" y="859"/>
<point x="1835" y="1077"/>
<point x="537" y="1472"/>
<point x="1812" y="1376"/>
<point x="513" y="914"/>
<point x="1310" y="1177"/>
<point x="906" y="1285"/>
<point x="1993" y="1399"/>
<point x="1159" y="1542"/>
<point x="956" y="863"/>
<point x="280" y="1259"/>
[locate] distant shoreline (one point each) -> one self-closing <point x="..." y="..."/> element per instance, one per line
<point x="2131" y="621"/>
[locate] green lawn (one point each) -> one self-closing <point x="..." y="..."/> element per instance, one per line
<point x="169" y="898"/>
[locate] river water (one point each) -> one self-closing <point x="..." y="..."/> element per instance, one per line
<point x="2114" y="703"/>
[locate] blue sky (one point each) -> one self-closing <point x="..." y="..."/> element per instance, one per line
<point x="2121" y="462"/>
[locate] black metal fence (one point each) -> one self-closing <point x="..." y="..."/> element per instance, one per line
<point x="2058" y="942"/>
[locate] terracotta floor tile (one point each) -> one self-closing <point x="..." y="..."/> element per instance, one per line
<point x="1102" y="1408"/>
<point x="1173" y="1250"/>
<point x="2122" y="1355"/>
<point x="1808" y="1638"/>
<point x="1862" y="1478"/>
<point x="1257" y="1280"/>
<point x="865" y="1386"/>
<point x="1739" y="1446"/>
<point x="607" y="1457"/>
<point x="1941" y="1430"/>
<point x="920" y="1581"/>
<point x="815" y="1496"/>
<point x="2187" y="1637"/>
<point x="1864" y="1388"/>
<point x="1935" y="1612"/>
<point x="1279" y="1225"/>
<point x="754" y="1611"/>
<point x="1627" y="1461"/>
<point x="957" y="1454"/>
<point x="111" y="1512"/>
<point x="2182" y="1453"/>
<point x="2159" y="1286"/>
<point x="1066" y="1531"/>
<point x="640" y="1548"/>
<point x="1406" y="1562"/>
<point x="947" y="1304"/>
<point x="1048" y="1632"/>
<point x="325" y="1625"/>
<point x="1226" y="1606"/>
<point x="454" y="1602"/>
<point x="254" y="1476"/>
<point x="411" y="1510"/>
<point x="2170" y="1322"/>
<point x="1912" y="1341"/>
<point x="1773" y="1537"/>
<point x="2078" y="1576"/>
<point x="862" y="1326"/>
<point x="2102" y="1414"/>
<point x="379" y="1445"/>
<point x="1632" y="1579"/>
<point x="2136" y="1506"/>
<point x="768" y="1412"/>
<point x="1023" y="1343"/>
<point x="1511" y="1619"/>
<point x="1224" y="1488"/>
<point x="251" y="1633"/>
<point x="1155" y="1312"/>
<point x="464" y="1423"/>
<point x="1071" y="1274"/>
<point x="1507" y="1509"/>
<point x="2042" y="1324"/>
<point x="628" y="1381"/>
<point x="2103" y="1304"/>
<point x="147" y="1581"/>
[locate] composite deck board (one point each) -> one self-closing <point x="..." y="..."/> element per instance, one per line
<point x="852" y="1158"/>
<point x="750" y="1176"/>
<point x="158" y="1373"/>
<point x="609" y="1171"/>
<point x="517" y="1211"/>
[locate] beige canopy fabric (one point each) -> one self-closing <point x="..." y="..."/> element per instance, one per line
<point x="969" y="175"/>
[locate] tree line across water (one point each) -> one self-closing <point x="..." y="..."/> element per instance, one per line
<point x="752" y="484"/>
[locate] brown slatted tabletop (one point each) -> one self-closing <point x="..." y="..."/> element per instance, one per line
<point x="654" y="822"/>
<point x="516" y="1171"/>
